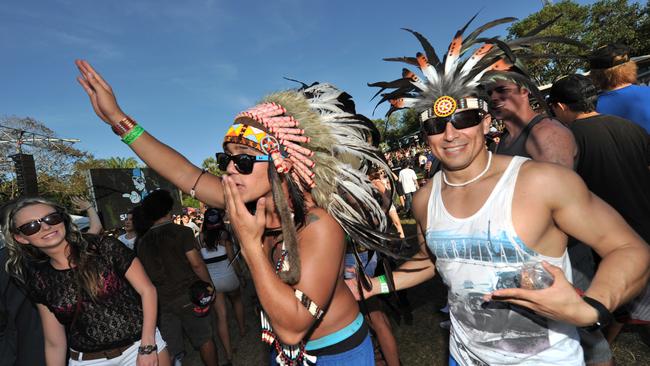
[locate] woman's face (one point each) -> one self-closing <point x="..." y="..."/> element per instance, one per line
<point x="48" y="236"/>
<point x="251" y="186"/>
<point x="128" y="223"/>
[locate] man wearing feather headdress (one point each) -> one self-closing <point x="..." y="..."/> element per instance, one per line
<point x="497" y="225"/>
<point x="295" y="184"/>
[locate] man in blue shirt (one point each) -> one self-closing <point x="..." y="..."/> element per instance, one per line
<point x="615" y="74"/>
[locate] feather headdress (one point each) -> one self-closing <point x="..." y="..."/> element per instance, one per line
<point x="448" y="85"/>
<point x="317" y="144"/>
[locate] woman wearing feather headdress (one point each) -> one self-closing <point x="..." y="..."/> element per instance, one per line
<point x="295" y="185"/>
<point x="496" y="225"/>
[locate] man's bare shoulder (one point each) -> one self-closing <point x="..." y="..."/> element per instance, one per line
<point x="550" y="125"/>
<point x="320" y="224"/>
<point x="547" y="179"/>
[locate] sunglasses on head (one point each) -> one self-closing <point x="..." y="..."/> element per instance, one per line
<point x="460" y="120"/>
<point x="33" y="227"/>
<point x="502" y="89"/>
<point x="243" y="162"/>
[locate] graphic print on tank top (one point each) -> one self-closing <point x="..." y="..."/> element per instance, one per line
<point x="477" y="255"/>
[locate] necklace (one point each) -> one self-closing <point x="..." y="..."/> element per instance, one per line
<point x="487" y="167"/>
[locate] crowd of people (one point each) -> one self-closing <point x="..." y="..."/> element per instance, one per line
<point x="541" y="235"/>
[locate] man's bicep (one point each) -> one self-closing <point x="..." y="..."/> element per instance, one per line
<point x="584" y="216"/>
<point x="321" y="255"/>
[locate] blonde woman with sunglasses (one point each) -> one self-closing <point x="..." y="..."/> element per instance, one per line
<point x="92" y="294"/>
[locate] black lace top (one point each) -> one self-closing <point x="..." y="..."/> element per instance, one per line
<point x="114" y="320"/>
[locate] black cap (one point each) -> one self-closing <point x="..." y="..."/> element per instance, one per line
<point x="609" y="56"/>
<point x="572" y="89"/>
<point x="213" y="218"/>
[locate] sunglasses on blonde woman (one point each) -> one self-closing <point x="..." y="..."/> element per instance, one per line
<point x="33" y="227"/>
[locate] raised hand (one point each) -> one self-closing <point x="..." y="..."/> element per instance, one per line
<point x="80" y="203"/>
<point x="248" y="228"/>
<point x="100" y="93"/>
<point x="560" y="301"/>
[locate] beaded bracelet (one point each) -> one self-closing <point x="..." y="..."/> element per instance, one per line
<point x="124" y="126"/>
<point x="383" y="285"/>
<point x="133" y="135"/>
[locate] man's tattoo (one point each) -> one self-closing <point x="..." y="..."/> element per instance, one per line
<point x="311" y="218"/>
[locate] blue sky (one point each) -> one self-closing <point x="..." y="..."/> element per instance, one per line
<point x="184" y="69"/>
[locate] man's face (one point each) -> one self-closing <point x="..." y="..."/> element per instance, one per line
<point x="251" y="186"/>
<point x="456" y="149"/>
<point x="507" y="99"/>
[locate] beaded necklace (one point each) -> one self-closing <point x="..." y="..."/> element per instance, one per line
<point x="287" y="355"/>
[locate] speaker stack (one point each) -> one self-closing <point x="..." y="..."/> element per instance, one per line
<point x="25" y="174"/>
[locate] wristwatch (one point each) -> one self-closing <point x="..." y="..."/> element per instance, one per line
<point x="148" y="349"/>
<point x="604" y="316"/>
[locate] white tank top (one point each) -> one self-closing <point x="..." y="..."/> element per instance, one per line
<point x="479" y="254"/>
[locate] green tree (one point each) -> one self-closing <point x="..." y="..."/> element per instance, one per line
<point x="61" y="169"/>
<point x="400" y="124"/>
<point x="605" y="21"/>
<point x="572" y="24"/>
<point x="189" y="201"/>
<point x="54" y="160"/>
<point x="210" y="164"/>
<point x="116" y="162"/>
<point x="615" y="21"/>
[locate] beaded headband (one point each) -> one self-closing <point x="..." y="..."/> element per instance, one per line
<point x="280" y="142"/>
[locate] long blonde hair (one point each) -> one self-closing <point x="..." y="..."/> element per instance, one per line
<point x="22" y="258"/>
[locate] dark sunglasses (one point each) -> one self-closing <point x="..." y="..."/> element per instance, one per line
<point x="243" y="162"/>
<point x="33" y="227"/>
<point x="460" y="120"/>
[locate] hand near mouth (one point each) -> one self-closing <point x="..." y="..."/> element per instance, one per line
<point x="248" y="228"/>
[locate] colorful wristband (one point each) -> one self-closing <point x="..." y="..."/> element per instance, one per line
<point x="383" y="285"/>
<point x="133" y="135"/>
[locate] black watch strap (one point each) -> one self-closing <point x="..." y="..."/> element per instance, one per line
<point x="604" y="316"/>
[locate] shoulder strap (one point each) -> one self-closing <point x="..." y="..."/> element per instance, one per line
<point x="526" y="131"/>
